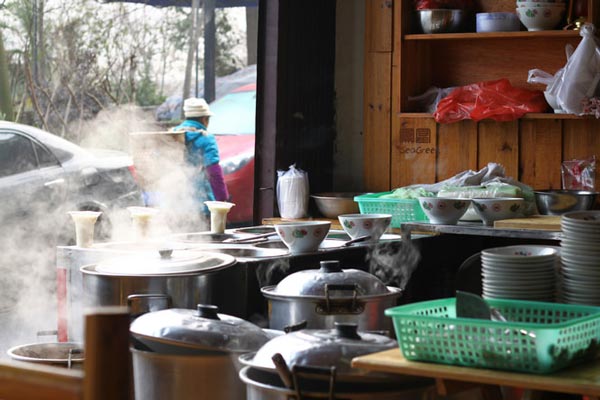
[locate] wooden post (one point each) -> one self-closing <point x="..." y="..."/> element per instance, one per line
<point x="107" y="364"/>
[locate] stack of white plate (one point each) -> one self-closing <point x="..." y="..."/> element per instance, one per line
<point x="523" y="272"/>
<point x="580" y="253"/>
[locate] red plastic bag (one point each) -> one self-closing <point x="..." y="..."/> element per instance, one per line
<point x="497" y="100"/>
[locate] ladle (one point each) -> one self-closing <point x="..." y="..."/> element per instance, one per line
<point x="282" y="370"/>
<point x="357" y="240"/>
<point x="470" y="305"/>
<point x="250" y="239"/>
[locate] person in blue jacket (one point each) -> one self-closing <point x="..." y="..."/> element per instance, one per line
<point x="202" y="151"/>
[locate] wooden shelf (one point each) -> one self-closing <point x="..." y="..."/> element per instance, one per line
<point x="526" y="116"/>
<point x="493" y="35"/>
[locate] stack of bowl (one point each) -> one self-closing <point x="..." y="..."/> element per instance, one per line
<point x="580" y="253"/>
<point x="523" y="272"/>
<point x="540" y="15"/>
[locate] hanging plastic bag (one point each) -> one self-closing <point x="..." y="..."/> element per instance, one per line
<point x="579" y="174"/>
<point x="551" y="81"/>
<point x="581" y="75"/>
<point x="497" y="100"/>
<point x="292" y="193"/>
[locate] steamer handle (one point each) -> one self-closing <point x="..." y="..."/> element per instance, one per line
<point x="330" y="287"/>
<point x="143" y="303"/>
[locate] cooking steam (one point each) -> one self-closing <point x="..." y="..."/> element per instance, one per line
<point x="394" y="262"/>
<point x="28" y="297"/>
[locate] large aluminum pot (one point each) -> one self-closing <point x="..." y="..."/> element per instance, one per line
<point x="175" y="376"/>
<point x="184" y="276"/>
<point x="265" y="386"/>
<point x="328" y="295"/>
<point x="317" y="363"/>
<point x="193" y="354"/>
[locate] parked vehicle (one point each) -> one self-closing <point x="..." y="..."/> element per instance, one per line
<point x="233" y="124"/>
<point x="42" y="176"/>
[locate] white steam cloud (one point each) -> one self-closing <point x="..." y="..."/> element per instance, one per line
<point x="28" y="279"/>
<point x="394" y="262"/>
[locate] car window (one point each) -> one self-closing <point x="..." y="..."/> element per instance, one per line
<point x="45" y="159"/>
<point x="234" y="114"/>
<point x="16" y="154"/>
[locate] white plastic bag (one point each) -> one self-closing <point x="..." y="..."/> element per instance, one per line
<point x="428" y="101"/>
<point x="551" y="81"/>
<point x="292" y="193"/>
<point x="581" y="75"/>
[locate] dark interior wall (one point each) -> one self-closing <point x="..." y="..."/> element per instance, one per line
<point x="302" y="116"/>
<point x="305" y="117"/>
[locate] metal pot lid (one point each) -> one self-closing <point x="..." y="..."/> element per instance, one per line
<point x="164" y="262"/>
<point x="317" y="282"/>
<point x="200" y="329"/>
<point x="321" y="348"/>
<point x="52" y="352"/>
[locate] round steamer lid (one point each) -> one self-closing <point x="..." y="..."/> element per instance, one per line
<point x="312" y="282"/>
<point x="202" y="329"/>
<point x="164" y="262"/>
<point x="322" y="347"/>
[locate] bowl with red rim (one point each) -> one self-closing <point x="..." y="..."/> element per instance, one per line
<point x="303" y="236"/>
<point x="358" y="225"/>
<point x="498" y="208"/>
<point x="444" y="210"/>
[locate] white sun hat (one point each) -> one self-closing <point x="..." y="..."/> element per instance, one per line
<point x="194" y="107"/>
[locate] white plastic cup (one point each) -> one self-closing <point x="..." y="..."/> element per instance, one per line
<point x="84" y="226"/>
<point x="141" y="218"/>
<point x="218" y="215"/>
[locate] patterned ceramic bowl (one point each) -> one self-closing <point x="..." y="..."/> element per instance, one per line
<point x="444" y="211"/>
<point x="540" y="18"/>
<point x="303" y="237"/>
<point x="491" y="210"/>
<point x="357" y="225"/>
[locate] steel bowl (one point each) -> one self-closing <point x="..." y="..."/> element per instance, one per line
<point x="558" y="202"/>
<point x="333" y="204"/>
<point x="440" y="20"/>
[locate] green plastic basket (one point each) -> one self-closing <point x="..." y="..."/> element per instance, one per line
<point x="538" y="337"/>
<point x="401" y="210"/>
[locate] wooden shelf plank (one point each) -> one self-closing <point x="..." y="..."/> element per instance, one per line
<point x="493" y="35"/>
<point x="526" y="116"/>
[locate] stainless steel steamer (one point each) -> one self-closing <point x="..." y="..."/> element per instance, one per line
<point x="182" y="275"/>
<point x="193" y="354"/>
<point x="328" y="295"/>
<point x="317" y="364"/>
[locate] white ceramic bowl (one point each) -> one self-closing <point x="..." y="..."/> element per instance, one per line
<point x="442" y="210"/>
<point x="540" y="18"/>
<point x="497" y="22"/>
<point x="357" y="225"/>
<point x="518" y="253"/>
<point x="494" y="209"/>
<point x="303" y="237"/>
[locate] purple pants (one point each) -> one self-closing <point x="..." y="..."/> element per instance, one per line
<point x="217" y="182"/>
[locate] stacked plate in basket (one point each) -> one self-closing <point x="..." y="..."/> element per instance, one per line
<point x="523" y="272"/>
<point x="580" y="254"/>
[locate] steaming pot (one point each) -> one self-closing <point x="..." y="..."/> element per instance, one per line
<point x="193" y="354"/>
<point x="182" y="276"/>
<point x="318" y="362"/>
<point x="328" y="295"/>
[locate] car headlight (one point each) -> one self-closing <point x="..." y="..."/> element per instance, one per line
<point x="233" y="164"/>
